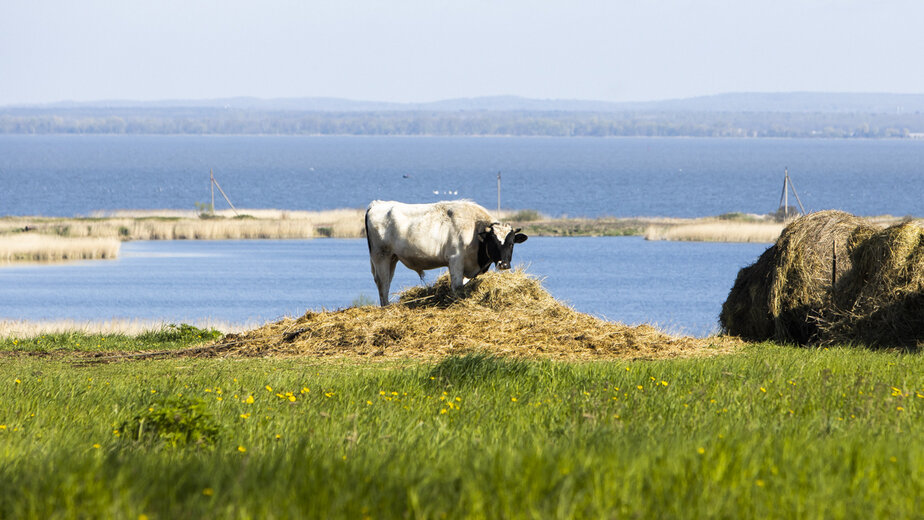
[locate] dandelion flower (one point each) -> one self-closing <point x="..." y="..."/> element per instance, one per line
<point x="241" y="449"/>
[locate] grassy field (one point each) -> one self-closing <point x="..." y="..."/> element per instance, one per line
<point x="766" y="432"/>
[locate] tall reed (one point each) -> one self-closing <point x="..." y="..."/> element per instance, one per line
<point x="717" y="231"/>
<point x="30" y="247"/>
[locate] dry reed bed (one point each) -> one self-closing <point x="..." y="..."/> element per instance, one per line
<point x="507" y="314"/>
<point x="127" y="327"/>
<point x="28" y="247"/>
<point x="167" y="225"/>
<point x="716" y="231"/>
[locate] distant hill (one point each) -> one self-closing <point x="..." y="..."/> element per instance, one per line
<point x="794" y="102"/>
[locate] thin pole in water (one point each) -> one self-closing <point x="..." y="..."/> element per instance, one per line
<point x="786" y="194"/>
<point x="498" y="194"/>
<point x="212" y="187"/>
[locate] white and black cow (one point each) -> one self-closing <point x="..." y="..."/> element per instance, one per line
<point x="460" y="235"/>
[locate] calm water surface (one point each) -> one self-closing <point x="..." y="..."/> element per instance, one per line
<point x="681" y="177"/>
<point x="678" y="286"/>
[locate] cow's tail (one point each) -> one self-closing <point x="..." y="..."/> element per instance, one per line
<point x="368" y="238"/>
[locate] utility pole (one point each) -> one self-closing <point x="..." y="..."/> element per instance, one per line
<point x="786" y="192"/>
<point x="784" y="197"/>
<point x="214" y="183"/>
<point x="212" y="187"/>
<point x="498" y="193"/>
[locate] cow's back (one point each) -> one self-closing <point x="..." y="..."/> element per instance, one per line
<point x="423" y="234"/>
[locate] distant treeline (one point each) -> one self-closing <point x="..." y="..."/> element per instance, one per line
<point x="461" y="123"/>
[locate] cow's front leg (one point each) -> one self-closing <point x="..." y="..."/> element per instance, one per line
<point x="456" y="273"/>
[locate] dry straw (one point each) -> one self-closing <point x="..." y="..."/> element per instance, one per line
<point x="507" y="314"/>
<point x="833" y="278"/>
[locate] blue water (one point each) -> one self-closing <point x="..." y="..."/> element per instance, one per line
<point x="677" y="286"/>
<point x="76" y="175"/>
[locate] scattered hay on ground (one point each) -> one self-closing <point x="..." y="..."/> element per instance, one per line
<point x="797" y="292"/>
<point x="507" y="314"/>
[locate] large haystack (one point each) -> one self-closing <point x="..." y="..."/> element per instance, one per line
<point x="498" y="313"/>
<point x="797" y="292"/>
<point x="881" y="300"/>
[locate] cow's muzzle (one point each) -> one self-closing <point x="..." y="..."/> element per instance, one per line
<point x="503" y="265"/>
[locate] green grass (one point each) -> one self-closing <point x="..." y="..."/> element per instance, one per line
<point x="168" y="338"/>
<point x="769" y="432"/>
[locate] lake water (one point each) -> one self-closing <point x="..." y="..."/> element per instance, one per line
<point x="77" y="175"/>
<point x="677" y="286"/>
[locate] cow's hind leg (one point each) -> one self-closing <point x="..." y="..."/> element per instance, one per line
<point x="383" y="269"/>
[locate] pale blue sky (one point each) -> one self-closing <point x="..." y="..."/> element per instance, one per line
<point x="426" y="50"/>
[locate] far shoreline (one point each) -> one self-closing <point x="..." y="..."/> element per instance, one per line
<point x="38" y="239"/>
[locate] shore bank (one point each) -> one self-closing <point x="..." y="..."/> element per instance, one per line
<point x="47" y="239"/>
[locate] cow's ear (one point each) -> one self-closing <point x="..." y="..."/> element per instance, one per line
<point x="519" y="238"/>
<point x="483" y="235"/>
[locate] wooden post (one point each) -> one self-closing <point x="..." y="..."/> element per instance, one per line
<point x="498" y="194"/>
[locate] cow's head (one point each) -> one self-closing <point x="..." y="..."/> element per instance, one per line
<point x="497" y="242"/>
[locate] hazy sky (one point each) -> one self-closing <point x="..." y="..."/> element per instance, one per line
<point x="426" y="50"/>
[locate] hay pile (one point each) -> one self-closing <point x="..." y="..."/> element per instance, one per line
<point x="793" y="293"/>
<point x="507" y="314"/>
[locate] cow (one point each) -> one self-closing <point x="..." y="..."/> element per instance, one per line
<point x="459" y="234"/>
